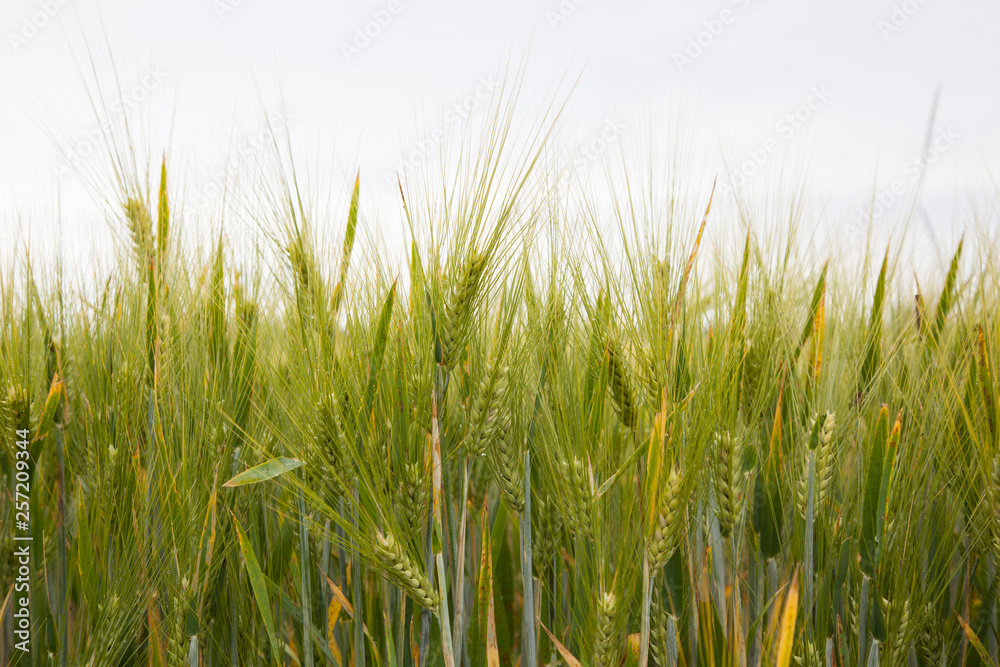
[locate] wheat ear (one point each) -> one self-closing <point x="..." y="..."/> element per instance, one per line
<point x="402" y="570"/>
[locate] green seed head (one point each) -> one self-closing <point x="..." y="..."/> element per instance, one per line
<point x="398" y="566"/>
<point x="900" y="639"/>
<point x="330" y="445"/>
<point x="485" y="413"/>
<point x="825" y="467"/>
<point x="459" y="309"/>
<point x="546" y="534"/>
<point x="140" y="227"/>
<point x="299" y="260"/>
<point x="578" y="498"/>
<point x="411" y="500"/>
<point x="507" y="463"/>
<point x="807" y="655"/>
<point x="17" y="408"/>
<point x="653" y="381"/>
<point x="667" y="533"/>
<point x="622" y="394"/>
<point x="607" y="649"/>
<point x="727" y="477"/>
<point x="658" y="629"/>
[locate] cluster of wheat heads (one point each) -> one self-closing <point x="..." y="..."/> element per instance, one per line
<point x="492" y="458"/>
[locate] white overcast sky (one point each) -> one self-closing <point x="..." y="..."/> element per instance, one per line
<point x="205" y="65"/>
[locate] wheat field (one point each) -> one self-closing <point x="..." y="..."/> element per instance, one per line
<point x="499" y="450"/>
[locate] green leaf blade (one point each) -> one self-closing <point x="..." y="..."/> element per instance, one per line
<point x="265" y="471"/>
<point x="259" y="584"/>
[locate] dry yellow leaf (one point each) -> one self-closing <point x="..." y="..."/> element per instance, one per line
<point x="332" y="613"/>
<point x="788" y="618"/>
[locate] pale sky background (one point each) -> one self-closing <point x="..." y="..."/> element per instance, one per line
<point x="203" y="67"/>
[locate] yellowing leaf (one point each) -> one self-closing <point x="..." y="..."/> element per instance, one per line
<point x="332" y="614"/>
<point x="974" y="639"/>
<point x="788" y="618"/>
<point x="654" y="464"/>
<point x="563" y="651"/>
<point x="819" y="326"/>
<point x="492" y="650"/>
<point x="49" y="411"/>
<point x="339" y="596"/>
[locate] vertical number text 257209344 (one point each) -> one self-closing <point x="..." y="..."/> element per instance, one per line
<point x="22" y="535"/>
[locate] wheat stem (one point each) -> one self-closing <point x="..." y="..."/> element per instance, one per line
<point x="304" y="566"/>
<point x="863" y="621"/>
<point x="357" y="599"/>
<point x="671" y="641"/>
<point x="810" y="514"/>
<point x="460" y="563"/>
<point x="647" y="599"/>
<point x="530" y="659"/>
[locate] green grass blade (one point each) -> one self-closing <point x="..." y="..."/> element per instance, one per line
<point x="163" y="214"/>
<point x="872" y="490"/>
<point x="304" y="571"/>
<point x="258" y="582"/>
<point x="265" y="471"/>
<point x="809" y="537"/>
<point x="885" y="488"/>
<point x="947" y="295"/>
<point x="345" y="257"/>
<point x="873" y="342"/>
<point x="817" y="296"/>
<point x="378" y="348"/>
